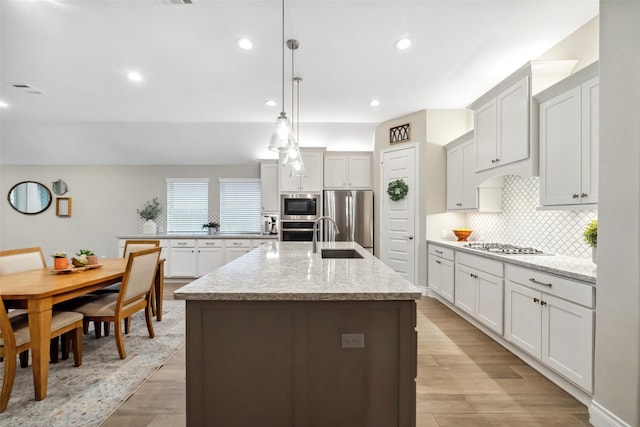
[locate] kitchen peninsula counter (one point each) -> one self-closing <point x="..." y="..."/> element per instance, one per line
<point x="286" y="337"/>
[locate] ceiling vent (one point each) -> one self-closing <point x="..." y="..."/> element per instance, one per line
<point x="177" y="2"/>
<point x="27" y="88"/>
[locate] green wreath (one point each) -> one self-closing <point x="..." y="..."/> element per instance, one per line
<point x="397" y="190"/>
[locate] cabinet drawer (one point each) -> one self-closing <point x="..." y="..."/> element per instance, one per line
<point x="490" y="266"/>
<point x="571" y="290"/>
<point x="238" y="243"/>
<point x="210" y="243"/>
<point x="183" y="243"/>
<point x="440" y="251"/>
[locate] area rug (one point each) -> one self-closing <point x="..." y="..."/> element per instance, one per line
<point x="89" y="394"/>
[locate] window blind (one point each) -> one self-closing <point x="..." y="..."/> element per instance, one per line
<point x="187" y="204"/>
<point x="240" y="201"/>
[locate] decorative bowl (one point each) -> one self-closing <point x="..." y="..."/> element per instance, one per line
<point x="462" y="234"/>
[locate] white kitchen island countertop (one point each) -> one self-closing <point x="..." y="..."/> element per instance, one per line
<point x="570" y="267"/>
<point x="289" y="271"/>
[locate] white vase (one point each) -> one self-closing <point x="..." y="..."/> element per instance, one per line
<point x="149" y="227"/>
<point x="594" y="254"/>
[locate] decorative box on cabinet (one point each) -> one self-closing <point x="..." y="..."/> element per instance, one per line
<point x="479" y="289"/>
<point x="552" y="319"/>
<point x="347" y="171"/>
<point x="569" y="140"/>
<point x="269" y="186"/>
<point x="440" y="274"/>
<point x="312" y="178"/>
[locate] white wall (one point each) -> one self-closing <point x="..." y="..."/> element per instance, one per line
<point x="104" y="203"/>
<point x="617" y="355"/>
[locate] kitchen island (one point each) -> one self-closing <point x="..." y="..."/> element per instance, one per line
<point x="282" y="336"/>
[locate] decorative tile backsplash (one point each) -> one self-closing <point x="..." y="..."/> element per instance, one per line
<point x="161" y="221"/>
<point x="553" y="231"/>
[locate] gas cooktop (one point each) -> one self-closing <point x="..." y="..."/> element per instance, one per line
<point x="503" y="249"/>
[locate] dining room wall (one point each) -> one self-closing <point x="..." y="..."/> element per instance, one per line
<point x="104" y="202"/>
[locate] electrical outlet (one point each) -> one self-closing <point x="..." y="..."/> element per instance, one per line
<point x="352" y="340"/>
<point x="443" y="233"/>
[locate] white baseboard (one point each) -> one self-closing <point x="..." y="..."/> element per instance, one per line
<point x="599" y="416"/>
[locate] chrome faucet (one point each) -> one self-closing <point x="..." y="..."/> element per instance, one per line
<point x="315" y="226"/>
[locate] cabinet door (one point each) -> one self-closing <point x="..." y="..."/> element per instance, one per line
<point x="231" y="254"/>
<point x="513" y="123"/>
<point x="183" y="262"/>
<point x="590" y="140"/>
<point x="523" y="318"/>
<point x="567" y="340"/>
<point x="465" y="289"/>
<point x="313" y="166"/>
<point x="269" y="187"/>
<point x="359" y="172"/>
<point x="447" y="280"/>
<point x="454" y="178"/>
<point x="434" y="278"/>
<point x="288" y="183"/>
<point x="560" y="147"/>
<point x="335" y="172"/>
<point x="208" y="260"/>
<point x="486" y="135"/>
<point x="489" y="307"/>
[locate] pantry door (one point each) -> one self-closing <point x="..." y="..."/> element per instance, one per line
<point x="398" y="218"/>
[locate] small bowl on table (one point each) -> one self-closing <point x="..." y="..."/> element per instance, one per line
<point x="462" y="234"/>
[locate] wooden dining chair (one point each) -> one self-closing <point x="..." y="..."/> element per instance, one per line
<point x="129" y="246"/>
<point x="14" y="339"/>
<point x="135" y="295"/>
<point x="17" y="261"/>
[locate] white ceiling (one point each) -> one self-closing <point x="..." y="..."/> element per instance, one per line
<point x="202" y="98"/>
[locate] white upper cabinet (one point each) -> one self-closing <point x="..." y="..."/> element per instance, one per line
<point x="502" y="127"/>
<point x="569" y="140"/>
<point x="342" y="171"/>
<point x="311" y="181"/>
<point x="269" y="185"/>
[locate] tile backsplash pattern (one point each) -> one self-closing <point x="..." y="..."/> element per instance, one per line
<point x="553" y="231"/>
<point x="161" y="221"/>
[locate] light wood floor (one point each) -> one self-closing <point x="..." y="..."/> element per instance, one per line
<point x="464" y="379"/>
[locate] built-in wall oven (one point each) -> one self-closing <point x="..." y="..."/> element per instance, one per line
<point x="298" y="213"/>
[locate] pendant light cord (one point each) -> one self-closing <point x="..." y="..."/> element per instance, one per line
<point x="283" y="112"/>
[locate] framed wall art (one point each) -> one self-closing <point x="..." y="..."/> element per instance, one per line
<point x="63" y="206"/>
<point x="400" y="133"/>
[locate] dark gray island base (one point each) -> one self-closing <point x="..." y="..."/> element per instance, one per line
<point x="282" y="337"/>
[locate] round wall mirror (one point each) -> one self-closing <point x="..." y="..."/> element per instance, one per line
<point x="29" y="197"/>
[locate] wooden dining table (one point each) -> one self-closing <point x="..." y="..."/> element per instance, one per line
<point x="39" y="290"/>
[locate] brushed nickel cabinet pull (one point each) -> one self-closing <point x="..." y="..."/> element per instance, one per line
<point x="532" y="280"/>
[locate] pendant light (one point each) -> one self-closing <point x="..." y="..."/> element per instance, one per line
<point x="282" y="138"/>
<point x="294" y="157"/>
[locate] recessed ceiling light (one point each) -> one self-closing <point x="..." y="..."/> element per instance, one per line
<point x="403" y="44"/>
<point x="270" y="103"/>
<point x="245" y="44"/>
<point x="135" y="76"/>
<point x="374" y="102"/>
<point x="3" y="104"/>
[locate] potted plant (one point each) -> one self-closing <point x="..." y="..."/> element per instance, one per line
<point x="213" y="227"/>
<point x="60" y="261"/>
<point x="149" y="212"/>
<point x="89" y="255"/>
<point x="591" y="238"/>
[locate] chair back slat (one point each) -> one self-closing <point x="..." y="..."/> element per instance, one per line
<point x="7" y="338"/>
<point x="139" y="245"/>
<point x="141" y="270"/>
<point x="19" y="260"/>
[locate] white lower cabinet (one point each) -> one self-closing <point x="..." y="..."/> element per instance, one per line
<point x="235" y="248"/>
<point x="552" y="319"/>
<point x="210" y="255"/>
<point x="441" y="271"/>
<point x="479" y="289"/>
<point x="183" y="260"/>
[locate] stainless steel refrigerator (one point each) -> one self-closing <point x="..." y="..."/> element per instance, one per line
<point x="352" y="210"/>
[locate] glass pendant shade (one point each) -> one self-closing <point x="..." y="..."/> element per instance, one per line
<point x="282" y="139"/>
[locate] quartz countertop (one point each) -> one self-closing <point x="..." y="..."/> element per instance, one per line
<point x="199" y="236"/>
<point x="561" y="265"/>
<point x="290" y="271"/>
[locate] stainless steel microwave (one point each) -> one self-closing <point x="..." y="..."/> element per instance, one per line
<point x="300" y="207"/>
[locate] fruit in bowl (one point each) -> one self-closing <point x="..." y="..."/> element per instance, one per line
<point x="462" y="233"/>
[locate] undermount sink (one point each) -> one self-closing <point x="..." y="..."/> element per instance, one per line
<point x="340" y="253"/>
